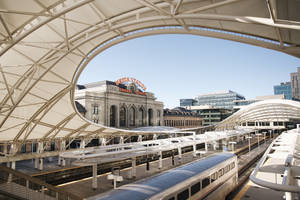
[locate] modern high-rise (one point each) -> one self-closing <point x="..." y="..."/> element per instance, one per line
<point x="295" y="84"/>
<point x="284" y="88"/>
<point x="223" y="99"/>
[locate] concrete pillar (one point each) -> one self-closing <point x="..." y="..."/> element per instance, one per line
<point x="206" y="146"/>
<point x="154" y="137"/>
<point x="13" y="149"/>
<point x="194" y="150"/>
<point x="103" y="142"/>
<point x="122" y="140"/>
<point x="40" y="147"/>
<point x="41" y="164"/>
<point x="63" y="145"/>
<point x="179" y="154"/>
<point x="133" y="169"/>
<point x="298" y="128"/>
<point x="63" y="162"/>
<point x="82" y="144"/>
<point x="215" y="145"/>
<point x="160" y="160"/>
<point x="140" y="138"/>
<point x="95" y="183"/>
<point x="13" y="164"/>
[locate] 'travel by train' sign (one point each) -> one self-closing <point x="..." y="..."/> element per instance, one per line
<point x="132" y="80"/>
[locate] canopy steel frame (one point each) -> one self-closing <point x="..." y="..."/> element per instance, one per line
<point x="49" y="44"/>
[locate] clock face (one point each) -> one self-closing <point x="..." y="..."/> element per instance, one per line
<point x="132" y="81"/>
<point x="132" y="87"/>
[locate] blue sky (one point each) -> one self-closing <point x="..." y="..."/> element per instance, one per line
<point x="184" y="66"/>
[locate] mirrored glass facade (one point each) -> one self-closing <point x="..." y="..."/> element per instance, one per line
<point x="219" y="100"/>
<point x="284" y="88"/>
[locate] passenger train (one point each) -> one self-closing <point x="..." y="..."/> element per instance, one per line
<point x="212" y="177"/>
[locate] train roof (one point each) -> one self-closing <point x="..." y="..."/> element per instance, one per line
<point x="150" y="186"/>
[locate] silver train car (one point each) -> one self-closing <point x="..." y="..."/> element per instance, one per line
<point x="210" y="178"/>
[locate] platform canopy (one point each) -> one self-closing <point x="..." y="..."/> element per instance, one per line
<point x="275" y="110"/>
<point x="45" y="44"/>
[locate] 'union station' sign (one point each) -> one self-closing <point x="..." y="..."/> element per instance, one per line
<point x="132" y="80"/>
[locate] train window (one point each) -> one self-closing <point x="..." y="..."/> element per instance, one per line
<point x="232" y="165"/>
<point x="221" y="172"/>
<point x="205" y="182"/>
<point x="172" y="198"/>
<point x="183" y="195"/>
<point x="195" y="188"/>
<point x="226" y="169"/>
<point x="214" y="177"/>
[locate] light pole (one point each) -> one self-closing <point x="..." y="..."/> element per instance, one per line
<point x="249" y="141"/>
<point x="265" y="137"/>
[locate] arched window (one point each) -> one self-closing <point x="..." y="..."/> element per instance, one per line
<point x="122" y="117"/>
<point x="132" y="116"/>
<point x="112" y="117"/>
<point x="141" y="116"/>
<point x="150" y="117"/>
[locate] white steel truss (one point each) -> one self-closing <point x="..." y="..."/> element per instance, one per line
<point x="45" y="45"/>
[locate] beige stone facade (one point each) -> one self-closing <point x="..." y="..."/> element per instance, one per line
<point x="121" y="106"/>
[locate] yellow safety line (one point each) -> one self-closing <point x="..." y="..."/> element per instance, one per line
<point x="242" y="192"/>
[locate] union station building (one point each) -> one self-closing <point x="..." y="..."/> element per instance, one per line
<point x="120" y="104"/>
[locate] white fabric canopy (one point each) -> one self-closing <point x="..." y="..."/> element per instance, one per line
<point x="45" y="44"/>
<point x="263" y="111"/>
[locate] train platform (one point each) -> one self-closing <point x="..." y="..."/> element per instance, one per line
<point x="252" y="191"/>
<point x="83" y="188"/>
<point x="51" y="163"/>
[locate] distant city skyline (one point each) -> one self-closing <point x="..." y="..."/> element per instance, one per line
<point x="185" y="66"/>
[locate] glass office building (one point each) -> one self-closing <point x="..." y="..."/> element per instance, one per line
<point x="187" y="102"/>
<point x="284" y="88"/>
<point x="212" y="116"/>
<point x="219" y="99"/>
